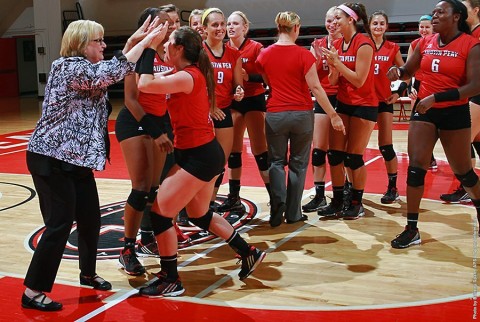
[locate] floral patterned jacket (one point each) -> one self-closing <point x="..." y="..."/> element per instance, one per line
<point x="74" y="118"/>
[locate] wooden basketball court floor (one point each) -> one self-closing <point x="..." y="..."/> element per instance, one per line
<point x="318" y="270"/>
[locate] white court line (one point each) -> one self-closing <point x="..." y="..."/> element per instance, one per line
<point x="117" y="300"/>
<point x="16" y="151"/>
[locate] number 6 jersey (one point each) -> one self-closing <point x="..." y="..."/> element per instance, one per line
<point x="444" y="67"/>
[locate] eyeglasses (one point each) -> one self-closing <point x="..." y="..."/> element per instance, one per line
<point x="99" y="40"/>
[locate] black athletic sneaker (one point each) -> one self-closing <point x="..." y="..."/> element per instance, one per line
<point x="459" y="195"/>
<point x="231" y="203"/>
<point x="390" y="196"/>
<point x="148" y="250"/>
<point x="353" y="212"/>
<point x="182" y="218"/>
<point x="162" y="288"/>
<point x="317" y="203"/>
<point x="250" y="262"/>
<point x="408" y="237"/>
<point x="331" y="210"/>
<point x="129" y="262"/>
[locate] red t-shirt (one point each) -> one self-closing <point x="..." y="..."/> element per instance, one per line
<point x="347" y="93"/>
<point x="322" y="69"/>
<point x="444" y="67"/>
<point x="384" y="58"/>
<point x="249" y="51"/>
<point x="223" y="71"/>
<point x="155" y="104"/>
<point x="286" y="67"/>
<point x="190" y="113"/>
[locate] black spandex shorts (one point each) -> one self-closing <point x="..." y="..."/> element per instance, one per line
<point x="317" y="109"/>
<point x="475" y="99"/>
<point x="369" y="113"/>
<point x="449" y="118"/>
<point x="252" y="103"/>
<point x="203" y="162"/>
<point x="127" y="126"/>
<point x="385" y="108"/>
<point x="226" y="122"/>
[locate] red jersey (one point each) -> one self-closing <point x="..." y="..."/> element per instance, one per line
<point x="223" y="72"/>
<point x="286" y="67"/>
<point x="347" y="93"/>
<point x="444" y="67"/>
<point x="249" y="51"/>
<point x="476" y="32"/>
<point x="155" y="104"/>
<point x="190" y="113"/>
<point x="323" y="70"/>
<point x="418" y="73"/>
<point x="384" y="58"/>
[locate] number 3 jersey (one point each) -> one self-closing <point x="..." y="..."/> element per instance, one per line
<point x="444" y="67"/>
<point x="383" y="59"/>
<point x="223" y="68"/>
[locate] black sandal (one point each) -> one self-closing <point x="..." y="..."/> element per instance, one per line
<point x="32" y="303"/>
<point x="96" y="282"/>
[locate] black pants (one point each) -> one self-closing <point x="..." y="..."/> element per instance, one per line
<point x="65" y="196"/>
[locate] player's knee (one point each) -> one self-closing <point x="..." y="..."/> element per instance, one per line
<point x="262" y="161"/>
<point x="353" y="161"/>
<point x="388" y="152"/>
<point x="318" y="157"/>
<point x="160" y="223"/>
<point x="335" y="157"/>
<point x="416" y="176"/>
<point x="204" y="221"/>
<point x="235" y="160"/>
<point x="137" y="199"/>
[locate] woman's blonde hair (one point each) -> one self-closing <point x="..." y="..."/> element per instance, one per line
<point x="207" y="12"/>
<point x="195" y="12"/>
<point x="286" y="21"/>
<point x="77" y="36"/>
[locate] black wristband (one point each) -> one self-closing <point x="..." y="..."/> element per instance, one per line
<point x="148" y="124"/>
<point x="450" y="95"/>
<point x="401" y="88"/>
<point x="145" y="63"/>
<point x="255" y="78"/>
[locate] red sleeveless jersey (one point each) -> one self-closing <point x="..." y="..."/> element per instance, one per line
<point x="322" y="69"/>
<point x="347" y="93"/>
<point x="155" y="104"/>
<point x="223" y="71"/>
<point x="286" y="67"/>
<point x="383" y="59"/>
<point x="249" y="51"/>
<point x="418" y="74"/>
<point x="444" y="67"/>
<point x="190" y="113"/>
<point x="476" y="32"/>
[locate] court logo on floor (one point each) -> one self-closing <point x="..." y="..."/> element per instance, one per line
<point x="112" y="229"/>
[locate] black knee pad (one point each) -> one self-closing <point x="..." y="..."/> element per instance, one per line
<point x="387" y="152"/>
<point x="318" y="157"/>
<point x="204" y="221"/>
<point x="138" y="199"/>
<point x="476" y="145"/>
<point x="160" y="223"/>
<point x="353" y="161"/>
<point x="262" y="161"/>
<point x="235" y="160"/>
<point x="468" y="179"/>
<point x="152" y="194"/>
<point x="335" y="157"/>
<point x="219" y="180"/>
<point x="416" y="176"/>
